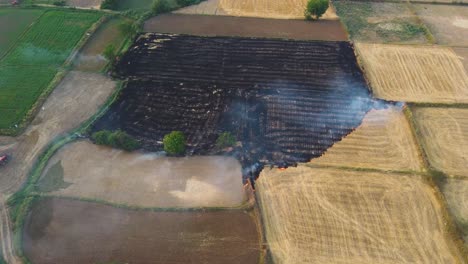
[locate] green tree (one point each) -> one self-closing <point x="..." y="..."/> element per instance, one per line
<point x="315" y="9"/>
<point x="161" y="6"/>
<point x="174" y="143"/>
<point x="183" y="3"/>
<point x="109" y="4"/>
<point x="117" y="139"/>
<point x="225" y="140"/>
<point x="110" y="53"/>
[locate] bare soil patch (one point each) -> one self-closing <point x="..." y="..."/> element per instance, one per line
<point x="92" y="4"/>
<point x="203" y="25"/>
<point x="448" y="23"/>
<point x="332" y="216"/>
<point x="445" y="137"/>
<point x="382" y="141"/>
<point x="64" y="231"/>
<point x="90" y="57"/>
<point x="414" y="73"/>
<point x="456" y="194"/>
<point x="278" y="9"/>
<point x="147" y="180"/>
<point x="73" y="101"/>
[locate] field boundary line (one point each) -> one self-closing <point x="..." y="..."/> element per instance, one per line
<point x="361" y="169"/>
<point x="452" y="3"/>
<point x="61" y="72"/>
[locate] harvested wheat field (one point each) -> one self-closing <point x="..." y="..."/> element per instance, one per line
<point x="448" y="23"/>
<point x="414" y="73"/>
<point x="463" y="55"/>
<point x="282" y="9"/>
<point x="456" y="194"/>
<point x="334" y="216"/>
<point x="382" y="141"/>
<point x="66" y="231"/>
<point x="85" y="170"/>
<point x="444" y="133"/>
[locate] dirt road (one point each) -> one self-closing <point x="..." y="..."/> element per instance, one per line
<point x="6" y="234"/>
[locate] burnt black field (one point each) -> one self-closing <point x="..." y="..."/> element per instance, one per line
<point x="285" y="101"/>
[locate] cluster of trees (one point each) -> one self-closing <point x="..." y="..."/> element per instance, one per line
<point x="175" y="142"/>
<point x="116" y="139"/>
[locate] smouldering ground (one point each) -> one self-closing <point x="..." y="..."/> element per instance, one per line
<point x="444" y="134"/>
<point x="383" y="141"/>
<point x="279" y="9"/>
<point x="456" y="194"/>
<point x="66" y="231"/>
<point x="332" y="216"/>
<point x="414" y="73"/>
<point x="147" y="180"/>
<point x="448" y="23"/>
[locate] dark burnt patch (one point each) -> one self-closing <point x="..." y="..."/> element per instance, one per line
<point x="285" y="101"/>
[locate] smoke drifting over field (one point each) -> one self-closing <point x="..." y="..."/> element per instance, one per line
<point x="285" y="101"/>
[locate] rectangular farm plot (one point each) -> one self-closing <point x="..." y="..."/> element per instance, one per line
<point x="383" y="141"/>
<point x="13" y="23"/>
<point x="66" y="231"/>
<point x="85" y="170"/>
<point x="444" y="133"/>
<point x="414" y="73"/>
<point x="448" y="23"/>
<point x="34" y="61"/>
<point x="334" y="216"/>
<point x="381" y="22"/>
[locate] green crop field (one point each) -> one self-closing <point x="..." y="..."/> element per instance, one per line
<point x="13" y="23"/>
<point x="35" y="59"/>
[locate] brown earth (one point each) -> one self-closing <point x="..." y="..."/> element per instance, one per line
<point x="65" y="231"/>
<point x="282" y="9"/>
<point x="73" y="101"/>
<point x="382" y="141"/>
<point x="147" y="180"/>
<point x="456" y="194"/>
<point x="93" y="4"/>
<point x="90" y="57"/>
<point x="444" y="134"/>
<point x="414" y="73"/>
<point x="448" y="23"/>
<point x="246" y="27"/>
<point x="316" y="215"/>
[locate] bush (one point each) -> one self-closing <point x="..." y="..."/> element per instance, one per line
<point x="110" y="53"/>
<point x="225" y="140"/>
<point x="109" y="4"/>
<point x="127" y="29"/>
<point x="60" y="3"/>
<point x="174" y="143"/>
<point x="315" y="9"/>
<point x="183" y="3"/>
<point x="161" y="6"/>
<point x="117" y="139"/>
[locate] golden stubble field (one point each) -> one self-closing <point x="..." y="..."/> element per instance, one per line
<point x="414" y="73"/>
<point x="333" y="216"/>
<point x="444" y="133"/>
<point x="383" y="141"/>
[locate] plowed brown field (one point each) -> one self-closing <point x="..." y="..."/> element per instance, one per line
<point x="382" y="141"/>
<point x="333" y="216"/>
<point x="444" y="134"/>
<point x="414" y="73"/>
<point x="283" y="9"/>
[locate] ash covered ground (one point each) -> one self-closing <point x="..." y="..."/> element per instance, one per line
<point x="285" y="101"/>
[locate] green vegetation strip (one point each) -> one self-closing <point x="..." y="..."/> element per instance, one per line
<point x="31" y="69"/>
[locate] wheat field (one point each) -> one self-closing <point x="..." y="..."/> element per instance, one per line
<point x="414" y="73"/>
<point x="444" y="132"/>
<point x="383" y="141"/>
<point x="332" y="216"/>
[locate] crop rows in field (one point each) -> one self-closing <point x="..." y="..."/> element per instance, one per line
<point x="34" y="61"/>
<point x="337" y="216"/>
<point x="286" y="101"/>
<point x="415" y="73"/>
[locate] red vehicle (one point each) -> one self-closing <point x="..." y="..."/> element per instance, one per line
<point x="3" y="160"/>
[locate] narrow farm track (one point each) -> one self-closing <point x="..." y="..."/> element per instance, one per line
<point x="6" y="234"/>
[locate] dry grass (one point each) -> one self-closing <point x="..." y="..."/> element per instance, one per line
<point x="414" y="73"/>
<point x="456" y="194"/>
<point x="282" y="9"/>
<point x="444" y="134"/>
<point x="383" y="141"/>
<point x="333" y="216"/>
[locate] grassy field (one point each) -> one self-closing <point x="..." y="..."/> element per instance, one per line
<point x="134" y="4"/>
<point x="381" y="22"/>
<point x="35" y="59"/>
<point x="12" y="24"/>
